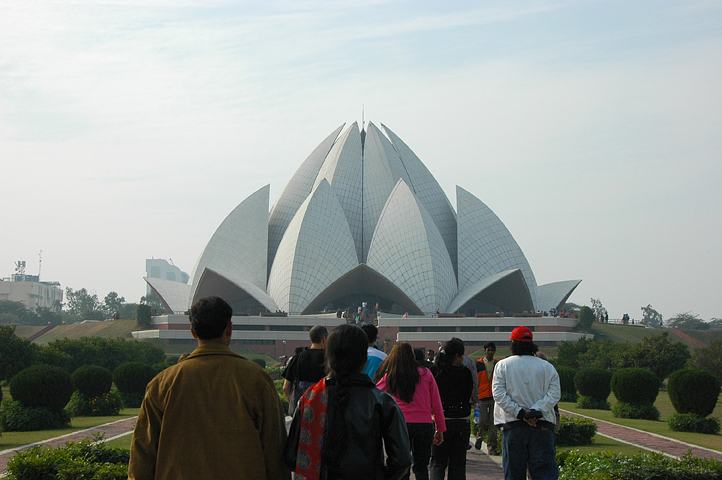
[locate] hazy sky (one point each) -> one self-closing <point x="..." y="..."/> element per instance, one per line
<point x="129" y="130"/>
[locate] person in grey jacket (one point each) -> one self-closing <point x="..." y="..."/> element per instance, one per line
<point x="525" y="390"/>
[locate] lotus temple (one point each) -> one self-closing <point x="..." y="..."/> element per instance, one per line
<point x="364" y="221"/>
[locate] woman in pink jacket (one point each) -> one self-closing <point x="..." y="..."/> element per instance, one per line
<point x="415" y="390"/>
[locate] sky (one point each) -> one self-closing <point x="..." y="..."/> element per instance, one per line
<point x="593" y="129"/>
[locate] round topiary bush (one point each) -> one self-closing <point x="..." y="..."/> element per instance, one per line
<point x="642" y="411"/>
<point x="593" y="382"/>
<point x="42" y="386"/>
<point x="635" y="385"/>
<point x="131" y="379"/>
<point x="92" y="380"/>
<point x="103" y="405"/>
<point x="260" y="362"/>
<point x="566" y="380"/>
<point x="693" y="391"/>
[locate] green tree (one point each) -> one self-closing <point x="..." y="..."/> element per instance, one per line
<point x="658" y="354"/>
<point x="82" y="305"/>
<point x="12" y="312"/>
<point x="651" y="317"/>
<point x="598" y="308"/>
<point x="16" y="353"/>
<point x="715" y="324"/>
<point x="154" y="302"/>
<point x="585" y="353"/>
<point x="112" y="303"/>
<point x="709" y="359"/>
<point x="586" y="317"/>
<point x="687" y="321"/>
<point x="48" y="316"/>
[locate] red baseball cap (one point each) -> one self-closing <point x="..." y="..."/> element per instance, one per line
<point x="521" y="334"/>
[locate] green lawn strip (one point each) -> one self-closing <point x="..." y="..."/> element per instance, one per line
<point x="107" y="329"/>
<point x="10" y="440"/>
<point x="666" y="409"/>
<point x="122" y="442"/>
<point x="606" y="444"/>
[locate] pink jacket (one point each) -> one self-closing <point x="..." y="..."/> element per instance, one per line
<point x="426" y="401"/>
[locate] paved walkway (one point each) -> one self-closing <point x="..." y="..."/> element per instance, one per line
<point x="479" y="466"/>
<point x="648" y="441"/>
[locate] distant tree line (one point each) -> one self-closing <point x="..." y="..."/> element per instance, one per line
<point x="79" y="305"/>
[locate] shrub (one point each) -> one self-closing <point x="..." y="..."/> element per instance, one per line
<point x="92" y="380"/>
<point x="591" y="403"/>
<point x="42" y="386"/>
<point x="103" y="405"/>
<point x="159" y="367"/>
<point x="260" y="362"/>
<point x="635" y="385"/>
<point x="566" y="380"/>
<point x="689" y="422"/>
<point x="643" y="411"/>
<point x="104" y="352"/>
<point x="143" y="315"/>
<point x="693" y="391"/>
<point x="604" y="465"/>
<point x="131" y="379"/>
<point x="586" y="317"/>
<point x="575" y="431"/>
<point x="15" y="417"/>
<point x="81" y="460"/>
<point x="593" y="382"/>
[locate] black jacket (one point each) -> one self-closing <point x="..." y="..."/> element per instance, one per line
<point x="372" y="419"/>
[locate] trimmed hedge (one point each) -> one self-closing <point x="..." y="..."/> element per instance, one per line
<point x="693" y="391"/>
<point x="105" y="404"/>
<point x="15" y="417"/>
<point x="593" y="382"/>
<point x="643" y="411"/>
<point x="575" y="431"/>
<point x="591" y="403"/>
<point x="80" y="460"/>
<point x="635" y="385"/>
<point x="42" y="386"/>
<point x="566" y="380"/>
<point x="131" y="379"/>
<point x="92" y="380"/>
<point x="604" y="465"/>
<point x="689" y="422"/>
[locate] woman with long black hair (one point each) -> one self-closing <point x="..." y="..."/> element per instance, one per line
<point x="343" y="423"/>
<point x="455" y="386"/>
<point x="415" y="390"/>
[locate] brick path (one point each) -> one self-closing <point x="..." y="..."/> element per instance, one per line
<point x="479" y="466"/>
<point x="648" y="441"/>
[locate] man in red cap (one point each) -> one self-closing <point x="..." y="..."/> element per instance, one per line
<point x="525" y="389"/>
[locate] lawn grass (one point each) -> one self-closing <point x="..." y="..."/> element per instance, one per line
<point x="664" y="405"/>
<point x="602" y="443"/>
<point x="10" y="440"/>
<point x="108" y="329"/>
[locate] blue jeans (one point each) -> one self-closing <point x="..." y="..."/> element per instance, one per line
<point x="421" y="436"/>
<point x="529" y="447"/>
<point x="452" y="452"/>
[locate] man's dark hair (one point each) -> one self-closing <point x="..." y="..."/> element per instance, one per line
<point x="317" y="333"/>
<point x="523" y="348"/>
<point x="371" y="332"/>
<point x="489" y="345"/>
<point x="457" y="339"/>
<point x="209" y="317"/>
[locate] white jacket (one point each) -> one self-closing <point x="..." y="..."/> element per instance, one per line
<point x="524" y="382"/>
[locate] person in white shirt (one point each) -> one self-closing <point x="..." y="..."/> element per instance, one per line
<point x="525" y="389"/>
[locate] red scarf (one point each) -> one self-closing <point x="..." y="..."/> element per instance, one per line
<point x="314" y="406"/>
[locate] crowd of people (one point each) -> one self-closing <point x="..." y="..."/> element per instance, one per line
<point x="357" y="412"/>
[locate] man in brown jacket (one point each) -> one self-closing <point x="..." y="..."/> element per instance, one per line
<point x="215" y="415"/>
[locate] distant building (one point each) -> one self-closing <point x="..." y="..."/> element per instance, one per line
<point x="30" y="291"/>
<point x="161" y="268"/>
